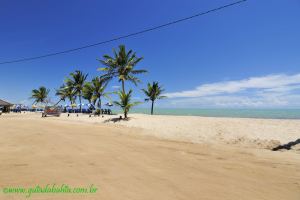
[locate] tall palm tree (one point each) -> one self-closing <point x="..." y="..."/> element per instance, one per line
<point x="93" y="91"/>
<point x="76" y="81"/>
<point x="88" y="92"/>
<point x="122" y="65"/>
<point x="153" y="92"/>
<point x="40" y="95"/>
<point x="99" y="85"/>
<point x="125" y="102"/>
<point x="70" y="92"/>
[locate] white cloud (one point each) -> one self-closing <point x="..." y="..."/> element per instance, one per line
<point x="279" y="90"/>
<point x="230" y="87"/>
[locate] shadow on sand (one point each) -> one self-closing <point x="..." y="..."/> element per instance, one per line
<point x="116" y="119"/>
<point x="287" y="146"/>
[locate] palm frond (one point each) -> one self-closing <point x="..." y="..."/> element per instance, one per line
<point x="121" y="65"/>
<point x="125" y="102"/>
<point x="153" y="91"/>
<point x="40" y="95"/>
<point x="139" y="71"/>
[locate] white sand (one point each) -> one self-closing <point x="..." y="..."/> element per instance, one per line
<point x="264" y="133"/>
<point x="259" y="132"/>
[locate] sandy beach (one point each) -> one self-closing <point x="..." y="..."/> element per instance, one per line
<point x="246" y="132"/>
<point x="125" y="161"/>
<point x="150" y="100"/>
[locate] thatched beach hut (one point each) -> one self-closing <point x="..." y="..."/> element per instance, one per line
<point x="5" y="106"/>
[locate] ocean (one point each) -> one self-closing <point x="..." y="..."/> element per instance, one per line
<point x="237" y="113"/>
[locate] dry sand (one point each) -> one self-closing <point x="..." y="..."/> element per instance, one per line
<point x="263" y="133"/>
<point x="258" y="133"/>
<point x="124" y="164"/>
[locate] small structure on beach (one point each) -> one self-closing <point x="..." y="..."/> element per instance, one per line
<point x="5" y="106"/>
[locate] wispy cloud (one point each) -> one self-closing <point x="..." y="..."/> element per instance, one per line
<point x="271" y="82"/>
<point x="279" y="90"/>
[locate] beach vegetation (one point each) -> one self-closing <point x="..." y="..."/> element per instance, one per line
<point x="99" y="86"/>
<point x="76" y="82"/>
<point x="125" y="102"/>
<point x="61" y="92"/>
<point x="122" y="65"/>
<point x="153" y="92"/>
<point x="88" y="92"/>
<point x="40" y="95"/>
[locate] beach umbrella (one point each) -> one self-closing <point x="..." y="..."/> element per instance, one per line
<point x="109" y="104"/>
<point x="74" y="105"/>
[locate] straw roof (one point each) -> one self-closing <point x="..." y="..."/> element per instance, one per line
<point x="4" y="103"/>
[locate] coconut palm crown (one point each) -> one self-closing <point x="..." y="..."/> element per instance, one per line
<point x="121" y="65"/>
<point x="40" y="95"/>
<point x="125" y="102"/>
<point x="70" y="93"/>
<point x="62" y="93"/>
<point x="99" y="85"/>
<point x="76" y="82"/>
<point x="153" y="92"/>
<point x="93" y="91"/>
<point x="88" y="92"/>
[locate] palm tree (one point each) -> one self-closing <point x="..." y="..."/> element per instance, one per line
<point x="76" y="82"/>
<point x="99" y="85"/>
<point x="125" y="102"/>
<point x="121" y="65"/>
<point x="62" y="93"/>
<point x="40" y="95"/>
<point x="93" y="91"/>
<point x="153" y="92"/>
<point x="88" y="92"/>
<point x="70" y="93"/>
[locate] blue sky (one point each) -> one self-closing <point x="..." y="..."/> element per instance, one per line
<point x="243" y="56"/>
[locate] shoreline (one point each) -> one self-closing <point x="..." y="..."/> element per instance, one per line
<point x="263" y="113"/>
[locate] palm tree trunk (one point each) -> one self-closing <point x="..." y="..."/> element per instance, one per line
<point x="152" y="107"/>
<point x="99" y="104"/>
<point x="123" y="86"/>
<point x="72" y="102"/>
<point x="57" y="102"/>
<point x="80" y="104"/>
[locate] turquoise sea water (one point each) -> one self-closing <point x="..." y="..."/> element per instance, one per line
<point x="244" y="113"/>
